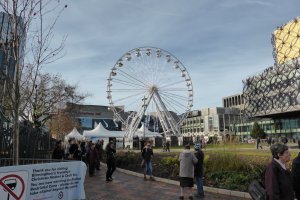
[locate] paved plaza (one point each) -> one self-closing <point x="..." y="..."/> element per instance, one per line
<point x="129" y="187"/>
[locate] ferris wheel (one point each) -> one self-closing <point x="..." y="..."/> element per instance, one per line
<point x="149" y="80"/>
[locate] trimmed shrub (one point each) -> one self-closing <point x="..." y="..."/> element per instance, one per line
<point x="223" y="170"/>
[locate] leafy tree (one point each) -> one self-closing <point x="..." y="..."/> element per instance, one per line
<point x="257" y="131"/>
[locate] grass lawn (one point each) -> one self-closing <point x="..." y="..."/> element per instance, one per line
<point x="239" y="148"/>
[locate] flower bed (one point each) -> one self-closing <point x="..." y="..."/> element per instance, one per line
<point x="222" y="170"/>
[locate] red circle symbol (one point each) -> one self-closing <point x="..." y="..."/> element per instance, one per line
<point x="9" y="190"/>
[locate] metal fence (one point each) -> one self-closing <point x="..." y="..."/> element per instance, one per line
<point x="28" y="161"/>
<point x="34" y="143"/>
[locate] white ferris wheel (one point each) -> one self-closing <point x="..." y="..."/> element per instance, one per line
<point x="150" y="80"/>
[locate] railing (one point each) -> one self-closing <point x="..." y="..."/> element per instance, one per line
<point x="28" y="161"/>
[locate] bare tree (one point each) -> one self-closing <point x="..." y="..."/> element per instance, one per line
<point x="51" y="94"/>
<point x="26" y="46"/>
<point x="61" y="123"/>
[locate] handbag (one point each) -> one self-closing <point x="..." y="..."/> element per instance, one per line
<point x="257" y="190"/>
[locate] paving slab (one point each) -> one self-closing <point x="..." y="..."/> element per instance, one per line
<point x="130" y="187"/>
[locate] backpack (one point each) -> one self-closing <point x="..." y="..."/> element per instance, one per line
<point x="257" y="190"/>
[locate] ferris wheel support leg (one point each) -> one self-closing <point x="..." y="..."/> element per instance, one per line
<point x="138" y="117"/>
<point x="169" y="117"/>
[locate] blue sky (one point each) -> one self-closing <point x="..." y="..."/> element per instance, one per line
<point x="220" y="42"/>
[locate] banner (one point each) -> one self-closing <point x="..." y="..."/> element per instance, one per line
<point x="51" y="181"/>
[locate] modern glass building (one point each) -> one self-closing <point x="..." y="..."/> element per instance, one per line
<point x="272" y="97"/>
<point x="89" y="116"/>
<point x="210" y="122"/>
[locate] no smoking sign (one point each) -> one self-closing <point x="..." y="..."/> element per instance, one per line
<point x="13" y="185"/>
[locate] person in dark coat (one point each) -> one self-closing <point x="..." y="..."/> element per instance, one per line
<point x="167" y="146"/>
<point x="110" y="160"/>
<point x="73" y="150"/>
<point x="296" y="176"/>
<point x="198" y="170"/>
<point x="147" y="155"/>
<point x="258" y="144"/>
<point x="92" y="159"/>
<point x="58" y="152"/>
<point x="99" y="150"/>
<point x="278" y="180"/>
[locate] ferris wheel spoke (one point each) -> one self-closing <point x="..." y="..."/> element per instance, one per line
<point x="170" y="105"/>
<point x="130" y="96"/>
<point x="132" y="77"/>
<point x="127" y="90"/>
<point x="178" y="103"/>
<point x="124" y="82"/>
<point x="175" y="89"/>
<point x="176" y="96"/>
<point x="172" y="84"/>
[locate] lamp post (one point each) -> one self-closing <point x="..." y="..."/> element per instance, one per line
<point x="144" y="106"/>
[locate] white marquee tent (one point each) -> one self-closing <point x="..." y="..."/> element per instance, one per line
<point x="148" y="133"/>
<point x="101" y="132"/>
<point x="74" y="134"/>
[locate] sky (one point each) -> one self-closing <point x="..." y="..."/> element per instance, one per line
<point x="220" y="42"/>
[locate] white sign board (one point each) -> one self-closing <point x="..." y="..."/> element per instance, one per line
<point x="51" y="181"/>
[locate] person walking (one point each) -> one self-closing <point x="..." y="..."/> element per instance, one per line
<point x="186" y="171"/>
<point x="198" y="170"/>
<point x="278" y="180"/>
<point x="91" y="159"/>
<point x="147" y="155"/>
<point x="99" y="149"/>
<point x="58" y="152"/>
<point x="296" y="176"/>
<point x="110" y="160"/>
<point x="258" y="144"/>
<point x="269" y="141"/>
<point x="167" y="146"/>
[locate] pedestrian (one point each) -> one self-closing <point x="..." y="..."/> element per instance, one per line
<point x="258" y="144"/>
<point x="98" y="148"/>
<point x="296" y="176"/>
<point x="91" y="159"/>
<point x="73" y="150"/>
<point x="269" y="141"/>
<point x="83" y="152"/>
<point x="147" y="155"/>
<point x="199" y="170"/>
<point x="278" y="180"/>
<point x="110" y="160"/>
<point x="167" y="146"/>
<point x="186" y="171"/>
<point x="58" y="152"/>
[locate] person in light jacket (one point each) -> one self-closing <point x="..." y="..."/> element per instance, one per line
<point x="186" y="171"/>
<point x="278" y="180"/>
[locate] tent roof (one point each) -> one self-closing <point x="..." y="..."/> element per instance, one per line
<point x="100" y="131"/>
<point x="74" y="134"/>
<point x="148" y="133"/>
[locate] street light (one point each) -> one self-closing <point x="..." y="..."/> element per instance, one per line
<point x="144" y="106"/>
